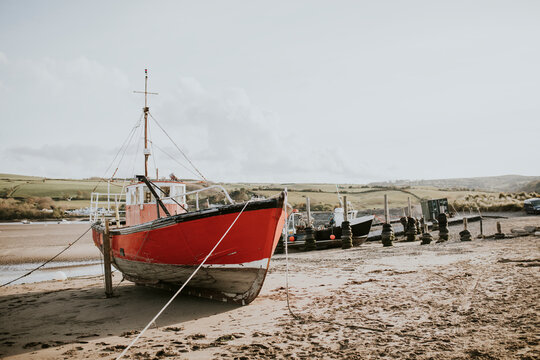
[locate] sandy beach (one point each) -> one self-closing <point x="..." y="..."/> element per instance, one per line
<point x="27" y="243"/>
<point x="452" y="300"/>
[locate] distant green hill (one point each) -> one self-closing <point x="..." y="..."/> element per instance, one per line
<point x="507" y="183"/>
<point x="533" y="186"/>
<point x="20" y="186"/>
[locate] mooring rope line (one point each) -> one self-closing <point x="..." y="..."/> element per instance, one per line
<point x="183" y="285"/>
<point x="48" y="261"/>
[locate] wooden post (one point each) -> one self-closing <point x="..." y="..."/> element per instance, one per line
<point x="465" y="235"/>
<point x="345" y="209"/>
<point x="499" y="234"/>
<point x="107" y="260"/>
<point x="409" y="207"/>
<point x="481" y="227"/>
<point x="310" y="234"/>
<point x="308" y="212"/>
<point x="386" y="211"/>
<point x="426" y="236"/>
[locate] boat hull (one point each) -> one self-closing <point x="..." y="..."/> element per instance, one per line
<point x="360" y="228"/>
<point x="165" y="252"/>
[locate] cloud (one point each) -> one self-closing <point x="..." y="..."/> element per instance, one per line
<point x="52" y="99"/>
<point x="70" y="161"/>
<point x="231" y="138"/>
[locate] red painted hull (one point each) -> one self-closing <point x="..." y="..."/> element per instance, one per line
<point x="165" y="252"/>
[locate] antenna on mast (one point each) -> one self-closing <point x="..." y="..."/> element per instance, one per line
<point x="145" y="110"/>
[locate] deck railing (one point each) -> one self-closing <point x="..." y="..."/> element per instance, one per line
<point x="107" y="205"/>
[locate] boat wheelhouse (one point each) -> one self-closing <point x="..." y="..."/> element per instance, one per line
<point x="142" y="206"/>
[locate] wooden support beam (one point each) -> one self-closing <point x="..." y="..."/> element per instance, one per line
<point x="386" y="210"/>
<point x="107" y="260"/>
<point x="308" y="212"/>
<point x="345" y="209"/>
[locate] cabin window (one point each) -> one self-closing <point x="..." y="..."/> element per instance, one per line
<point x="147" y="196"/>
<point x="166" y="191"/>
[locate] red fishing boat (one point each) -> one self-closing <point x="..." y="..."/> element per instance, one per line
<point x="162" y="243"/>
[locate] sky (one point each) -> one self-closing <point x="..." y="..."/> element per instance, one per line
<point x="271" y="91"/>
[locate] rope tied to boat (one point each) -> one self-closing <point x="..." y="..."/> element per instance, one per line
<point x="48" y="261"/>
<point x="183" y="285"/>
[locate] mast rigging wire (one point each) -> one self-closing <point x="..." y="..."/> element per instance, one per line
<point x="129" y="136"/>
<point x="183" y="154"/>
<point x="175" y="160"/>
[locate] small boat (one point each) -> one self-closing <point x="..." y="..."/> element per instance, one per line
<point x="162" y="241"/>
<point x="360" y="226"/>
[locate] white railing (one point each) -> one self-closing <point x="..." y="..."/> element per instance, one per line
<point x="106" y="205"/>
<point x="196" y="192"/>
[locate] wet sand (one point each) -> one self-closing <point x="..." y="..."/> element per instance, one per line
<point x="457" y="300"/>
<point x="37" y="242"/>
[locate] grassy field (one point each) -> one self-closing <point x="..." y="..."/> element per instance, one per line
<point x="58" y="189"/>
<point x="73" y="194"/>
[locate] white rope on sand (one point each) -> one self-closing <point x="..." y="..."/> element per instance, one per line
<point x="181" y="288"/>
<point x="286" y="240"/>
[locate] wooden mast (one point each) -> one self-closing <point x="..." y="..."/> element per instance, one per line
<point x="145" y="110"/>
<point x="146" y="151"/>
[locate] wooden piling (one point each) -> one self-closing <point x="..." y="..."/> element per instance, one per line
<point x="499" y="234"/>
<point x="465" y="235"/>
<point x="426" y="236"/>
<point x="410" y="230"/>
<point x="443" y="227"/>
<point x="310" y="234"/>
<point x="345" y="209"/>
<point x="346" y="231"/>
<point x="387" y="233"/>
<point x="481" y="228"/>
<point x="308" y="212"/>
<point x="409" y="208"/>
<point x="386" y="211"/>
<point x="107" y="260"/>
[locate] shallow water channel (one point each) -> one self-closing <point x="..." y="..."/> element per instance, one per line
<point x="51" y="271"/>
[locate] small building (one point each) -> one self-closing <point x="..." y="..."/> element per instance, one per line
<point x="432" y="208"/>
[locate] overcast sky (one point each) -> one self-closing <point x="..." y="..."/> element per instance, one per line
<point x="273" y="91"/>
